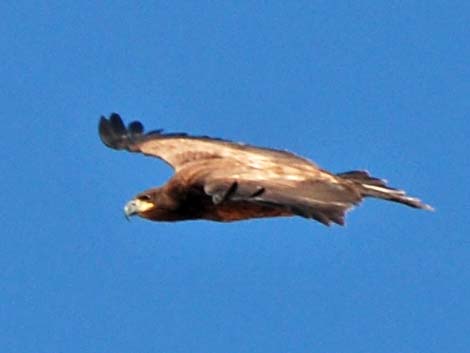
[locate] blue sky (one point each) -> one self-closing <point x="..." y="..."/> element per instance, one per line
<point x="374" y="85"/>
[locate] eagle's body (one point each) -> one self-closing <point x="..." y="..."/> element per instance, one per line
<point x="178" y="202"/>
<point x="224" y="181"/>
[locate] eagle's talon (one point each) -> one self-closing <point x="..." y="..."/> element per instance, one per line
<point x="258" y="192"/>
<point x="217" y="199"/>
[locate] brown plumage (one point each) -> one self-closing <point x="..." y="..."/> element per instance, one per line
<point x="225" y="181"/>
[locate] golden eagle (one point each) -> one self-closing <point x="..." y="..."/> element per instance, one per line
<point x="224" y="181"/>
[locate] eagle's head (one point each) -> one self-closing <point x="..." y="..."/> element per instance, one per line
<point x="141" y="205"/>
<point x="156" y="205"/>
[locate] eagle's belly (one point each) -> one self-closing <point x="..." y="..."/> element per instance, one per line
<point x="236" y="211"/>
<point x="196" y="204"/>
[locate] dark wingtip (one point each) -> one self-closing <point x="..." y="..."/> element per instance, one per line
<point x="114" y="134"/>
<point x="136" y="127"/>
<point x="116" y="124"/>
<point x="105" y="131"/>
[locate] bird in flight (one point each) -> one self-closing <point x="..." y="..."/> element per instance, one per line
<point x="225" y="181"/>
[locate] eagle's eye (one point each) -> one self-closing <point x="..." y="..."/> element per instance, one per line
<point x="144" y="197"/>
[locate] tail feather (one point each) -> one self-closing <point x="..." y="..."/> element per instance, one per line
<point x="378" y="188"/>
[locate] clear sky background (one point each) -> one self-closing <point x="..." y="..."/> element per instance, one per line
<point x="374" y="85"/>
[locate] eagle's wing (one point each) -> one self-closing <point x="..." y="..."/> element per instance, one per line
<point x="312" y="194"/>
<point x="179" y="149"/>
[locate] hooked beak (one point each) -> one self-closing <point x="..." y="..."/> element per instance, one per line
<point x="136" y="206"/>
<point x="130" y="209"/>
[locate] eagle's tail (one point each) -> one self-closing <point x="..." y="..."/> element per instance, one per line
<point x="374" y="187"/>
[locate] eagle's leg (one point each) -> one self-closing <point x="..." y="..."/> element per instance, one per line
<point x="237" y="192"/>
<point x="221" y="197"/>
<point x="260" y="191"/>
